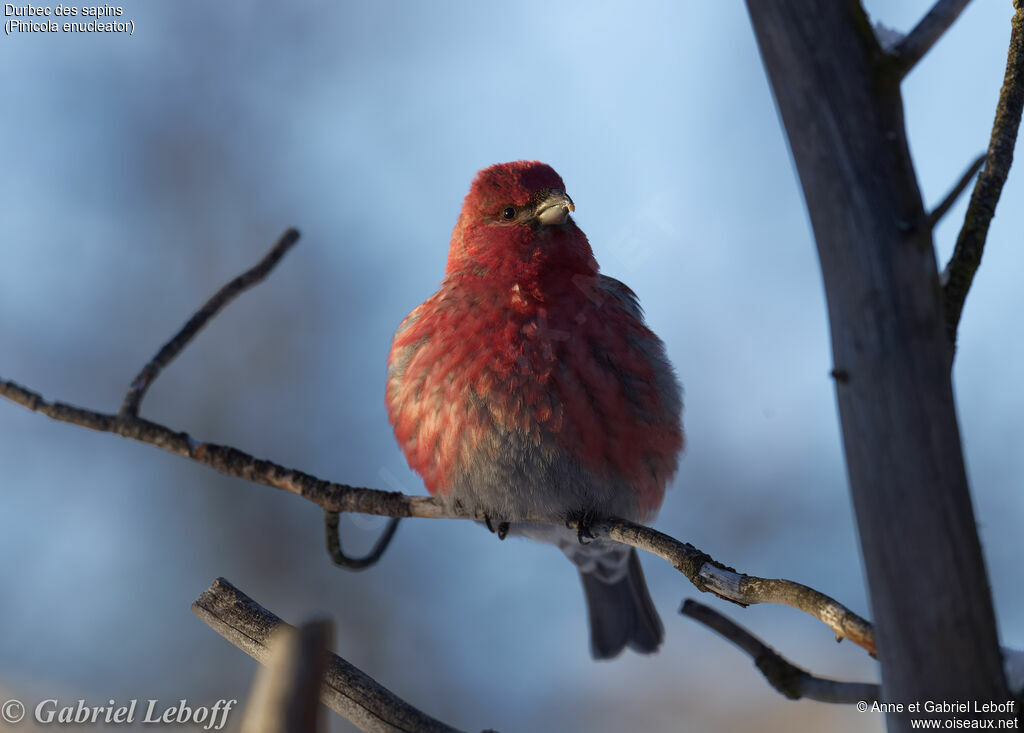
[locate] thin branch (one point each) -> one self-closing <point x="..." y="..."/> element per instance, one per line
<point x="971" y="242"/>
<point x="346" y="690"/>
<point x="286" y="694"/>
<point x="926" y="33"/>
<point x="748" y="590"/>
<point x="707" y="574"/>
<point x="233" y="462"/>
<point x="710" y="576"/>
<point x="213" y="306"/>
<point x="947" y="203"/>
<point x="356" y="563"/>
<point x="783" y="675"/>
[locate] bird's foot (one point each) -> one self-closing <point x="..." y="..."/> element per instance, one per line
<point x="501" y="531"/>
<point x="583" y="520"/>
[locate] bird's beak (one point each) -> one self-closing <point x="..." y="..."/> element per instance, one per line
<point x="554" y="208"/>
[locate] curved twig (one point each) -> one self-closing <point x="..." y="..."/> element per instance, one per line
<point x="195" y="324"/>
<point x="347" y="690"/>
<point x="782" y="674"/>
<point x="746" y="589"/>
<point x="708" y="575"/>
<point x="356" y="563"/>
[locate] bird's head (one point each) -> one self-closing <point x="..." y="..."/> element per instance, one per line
<point x="517" y="214"/>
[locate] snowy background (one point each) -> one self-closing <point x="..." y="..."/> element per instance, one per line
<point x="141" y="173"/>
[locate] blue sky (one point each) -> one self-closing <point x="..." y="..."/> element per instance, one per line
<point x="142" y="172"/>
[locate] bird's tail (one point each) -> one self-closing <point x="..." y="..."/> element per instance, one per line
<point x="621" y="612"/>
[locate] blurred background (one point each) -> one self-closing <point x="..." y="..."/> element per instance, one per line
<point x="143" y="172"/>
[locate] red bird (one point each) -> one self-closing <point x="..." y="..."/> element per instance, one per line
<point x="528" y="387"/>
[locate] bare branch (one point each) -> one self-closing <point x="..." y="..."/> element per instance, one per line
<point x="356" y="563"/>
<point x="346" y="689"/>
<point x="748" y="590"/>
<point x="947" y="203"/>
<point x="701" y="569"/>
<point x="233" y="462"/>
<point x="213" y="306"/>
<point x="926" y="33"/>
<point x="286" y="694"/>
<point x="710" y="576"/>
<point x="970" y="243"/>
<point x="782" y="674"/>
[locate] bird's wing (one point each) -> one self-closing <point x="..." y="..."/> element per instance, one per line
<point x="622" y="293"/>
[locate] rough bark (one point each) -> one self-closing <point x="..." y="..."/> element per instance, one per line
<point x="839" y="99"/>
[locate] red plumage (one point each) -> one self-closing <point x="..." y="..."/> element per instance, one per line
<point x="529" y="385"/>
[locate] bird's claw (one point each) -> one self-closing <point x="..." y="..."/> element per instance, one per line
<point x="583" y="520"/>
<point x="501" y="531"/>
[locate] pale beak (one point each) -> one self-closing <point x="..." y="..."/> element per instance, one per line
<point x="554" y="208"/>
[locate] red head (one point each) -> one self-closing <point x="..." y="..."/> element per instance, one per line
<point x="516" y="216"/>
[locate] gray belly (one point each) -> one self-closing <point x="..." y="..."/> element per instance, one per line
<point x="514" y="477"/>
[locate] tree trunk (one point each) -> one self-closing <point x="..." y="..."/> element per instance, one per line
<point x="839" y="97"/>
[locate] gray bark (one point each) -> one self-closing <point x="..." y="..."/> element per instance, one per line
<point x="839" y="99"/>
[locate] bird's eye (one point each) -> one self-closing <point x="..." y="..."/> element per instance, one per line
<point x="509" y="213"/>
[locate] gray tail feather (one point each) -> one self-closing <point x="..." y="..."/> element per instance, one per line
<point x="622" y="614"/>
